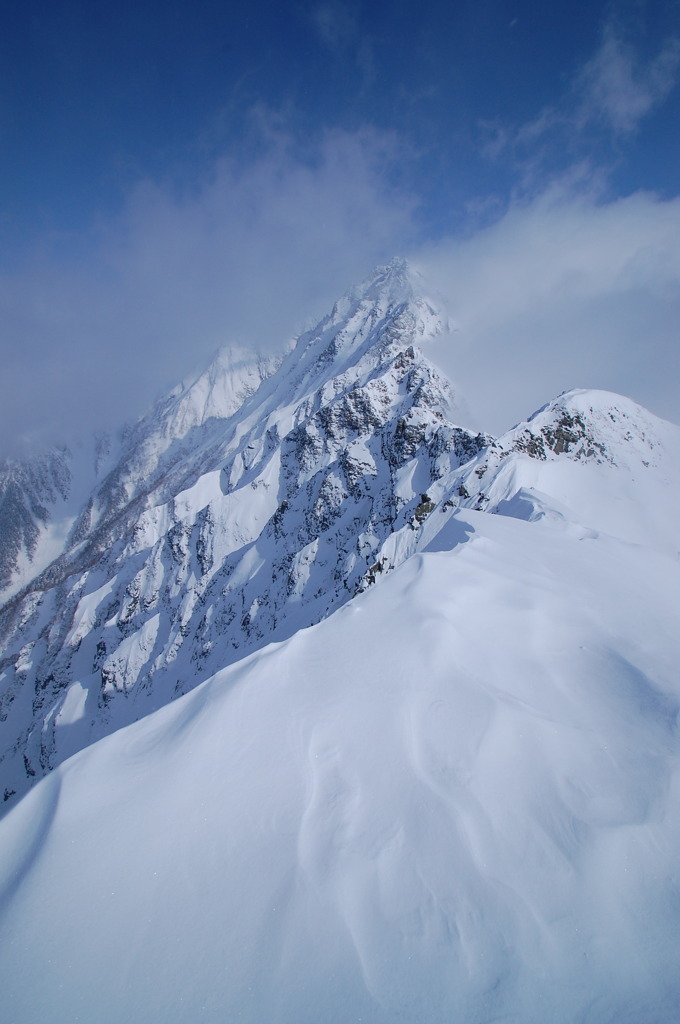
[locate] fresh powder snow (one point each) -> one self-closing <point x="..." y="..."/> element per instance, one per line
<point x="428" y="771"/>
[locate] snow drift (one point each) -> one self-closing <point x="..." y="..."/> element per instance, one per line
<point x="456" y="798"/>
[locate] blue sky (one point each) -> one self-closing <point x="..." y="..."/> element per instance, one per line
<point x="178" y="176"/>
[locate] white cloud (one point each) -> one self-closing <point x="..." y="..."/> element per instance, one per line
<point x="606" y="100"/>
<point x="242" y="257"/>
<point x="617" y="89"/>
<point x="568" y="290"/>
<point x="564" y="292"/>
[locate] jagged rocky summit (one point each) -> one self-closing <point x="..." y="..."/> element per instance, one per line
<point x="255" y="500"/>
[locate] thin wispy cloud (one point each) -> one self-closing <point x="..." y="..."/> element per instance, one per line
<point x="617" y="89"/>
<point x="272" y="214"/>
<point x="604" y="102"/>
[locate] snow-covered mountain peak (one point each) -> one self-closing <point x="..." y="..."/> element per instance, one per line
<point x="218" y="391"/>
<point x="453" y="800"/>
<point x="386" y="311"/>
<point x="390" y="283"/>
<point x="589" y="424"/>
<point x="391" y="288"/>
<point x="250" y="502"/>
<point x="398" y="284"/>
<point x="589" y="458"/>
<point x="261" y="495"/>
<point x="372" y="325"/>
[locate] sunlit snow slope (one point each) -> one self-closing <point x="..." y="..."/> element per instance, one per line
<point x="249" y="503"/>
<point x="455" y="800"/>
<point x="432" y="774"/>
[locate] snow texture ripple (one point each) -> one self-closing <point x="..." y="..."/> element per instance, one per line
<point x="454" y="799"/>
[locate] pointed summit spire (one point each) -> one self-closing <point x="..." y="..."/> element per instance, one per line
<point x="392" y="282"/>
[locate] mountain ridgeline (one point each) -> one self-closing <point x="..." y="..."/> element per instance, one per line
<point x="315" y="706"/>
<point x="250" y="503"/>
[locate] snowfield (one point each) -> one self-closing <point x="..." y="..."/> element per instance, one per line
<point x="408" y="702"/>
<point x="457" y="799"/>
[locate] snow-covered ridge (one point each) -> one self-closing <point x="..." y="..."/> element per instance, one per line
<point x="250" y="503"/>
<point x="588" y="457"/>
<point x="454" y="800"/>
<point x="258" y="497"/>
<point x="451" y="797"/>
<point x="588" y="424"/>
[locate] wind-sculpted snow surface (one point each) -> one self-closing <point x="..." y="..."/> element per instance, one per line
<point x="456" y="799"/>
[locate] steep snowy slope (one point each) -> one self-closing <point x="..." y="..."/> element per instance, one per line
<point x="247" y="505"/>
<point x="589" y="462"/>
<point x="456" y="799"/>
<point x="593" y="455"/>
<point x="30" y="488"/>
<point x="61" y="509"/>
